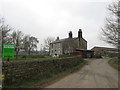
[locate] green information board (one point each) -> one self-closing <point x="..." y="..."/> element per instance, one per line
<point x="8" y="51"/>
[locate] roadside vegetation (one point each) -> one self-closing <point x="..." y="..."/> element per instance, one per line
<point x="114" y="62"/>
<point x="37" y="73"/>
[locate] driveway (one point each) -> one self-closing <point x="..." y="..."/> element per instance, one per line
<point x="97" y="74"/>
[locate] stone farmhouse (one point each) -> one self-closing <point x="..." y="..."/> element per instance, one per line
<point x="68" y="45"/>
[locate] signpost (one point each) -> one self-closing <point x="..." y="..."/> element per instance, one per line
<point x="8" y="51"/>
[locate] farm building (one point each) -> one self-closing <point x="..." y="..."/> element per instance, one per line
<point x="68" y="45"/>
<point x="84" y="53"/>
<point x="104" y="51"/>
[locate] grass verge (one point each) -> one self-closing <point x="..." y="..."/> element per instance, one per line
<point x="48" y="78"/>
<point x="114" y="63"/>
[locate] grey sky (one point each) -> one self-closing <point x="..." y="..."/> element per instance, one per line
<point x="43" y="18"/>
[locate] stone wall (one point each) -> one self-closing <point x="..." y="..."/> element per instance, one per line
<point x="18" y="71"/>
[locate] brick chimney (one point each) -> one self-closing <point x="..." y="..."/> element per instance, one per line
<point x="70" y="34"/>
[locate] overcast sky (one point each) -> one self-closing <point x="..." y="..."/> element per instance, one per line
<point x="43" y="18"/>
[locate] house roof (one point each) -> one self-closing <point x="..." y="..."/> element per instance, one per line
<point x="62" y="40"/>
<point x="104" y="48"/>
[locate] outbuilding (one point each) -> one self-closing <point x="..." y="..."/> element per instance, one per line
<point x="84" y="53"/>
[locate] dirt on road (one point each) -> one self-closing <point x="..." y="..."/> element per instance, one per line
<point x="96" y="74"/>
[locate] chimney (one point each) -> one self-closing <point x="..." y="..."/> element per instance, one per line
<point x="80" y="33"/>
<point x="57" y="38"/>
<point x="70" y="34"/>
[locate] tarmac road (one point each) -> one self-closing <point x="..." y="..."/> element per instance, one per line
<point x="97" y="74"/>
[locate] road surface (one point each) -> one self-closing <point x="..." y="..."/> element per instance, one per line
<point x="97" y="74"/>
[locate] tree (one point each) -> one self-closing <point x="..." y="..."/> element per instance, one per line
<point x="5" y="31"/>
<point x="29" y="44"/>
<point x="17" y="38"/>
<point x="25" y="44"/>
<point x="47" y="42"/>
<point x="110" y="30"/>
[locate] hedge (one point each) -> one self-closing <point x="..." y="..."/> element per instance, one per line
<point x="18" y="71"/>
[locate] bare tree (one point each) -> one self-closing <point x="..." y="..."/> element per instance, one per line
<point x="30" y="44"/>
<point x="5" y="31"/>
<point x="17" y="39"/>
<point x="25" y="44"/>
<point x="110" y="30"/>
<point x="47" y="42"/>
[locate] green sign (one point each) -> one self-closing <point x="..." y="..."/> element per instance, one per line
<point x="8" y="51"/>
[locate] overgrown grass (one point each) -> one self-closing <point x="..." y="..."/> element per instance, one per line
<point x="114" y="63"/>
<point x="41" y="81"/>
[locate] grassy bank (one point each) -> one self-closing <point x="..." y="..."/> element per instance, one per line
<point x="114" y="63"/>
<point x="48" y="78"/>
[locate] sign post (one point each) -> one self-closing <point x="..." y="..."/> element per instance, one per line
<point x="8" y="51"/>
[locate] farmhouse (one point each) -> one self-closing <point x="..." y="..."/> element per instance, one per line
<point x="68" y="45"/>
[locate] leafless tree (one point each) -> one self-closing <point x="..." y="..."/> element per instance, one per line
<point x="29" y="44"/>
<point x="32" y="43"/>
<point x="47" y="42"/>
<point x="17" y="39"/>
<point x="5" y="30"/>
<point x="25" y="44"/>
<point x="110" y="29"/>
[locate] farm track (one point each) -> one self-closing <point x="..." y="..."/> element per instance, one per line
<point x="96" y="74"/>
